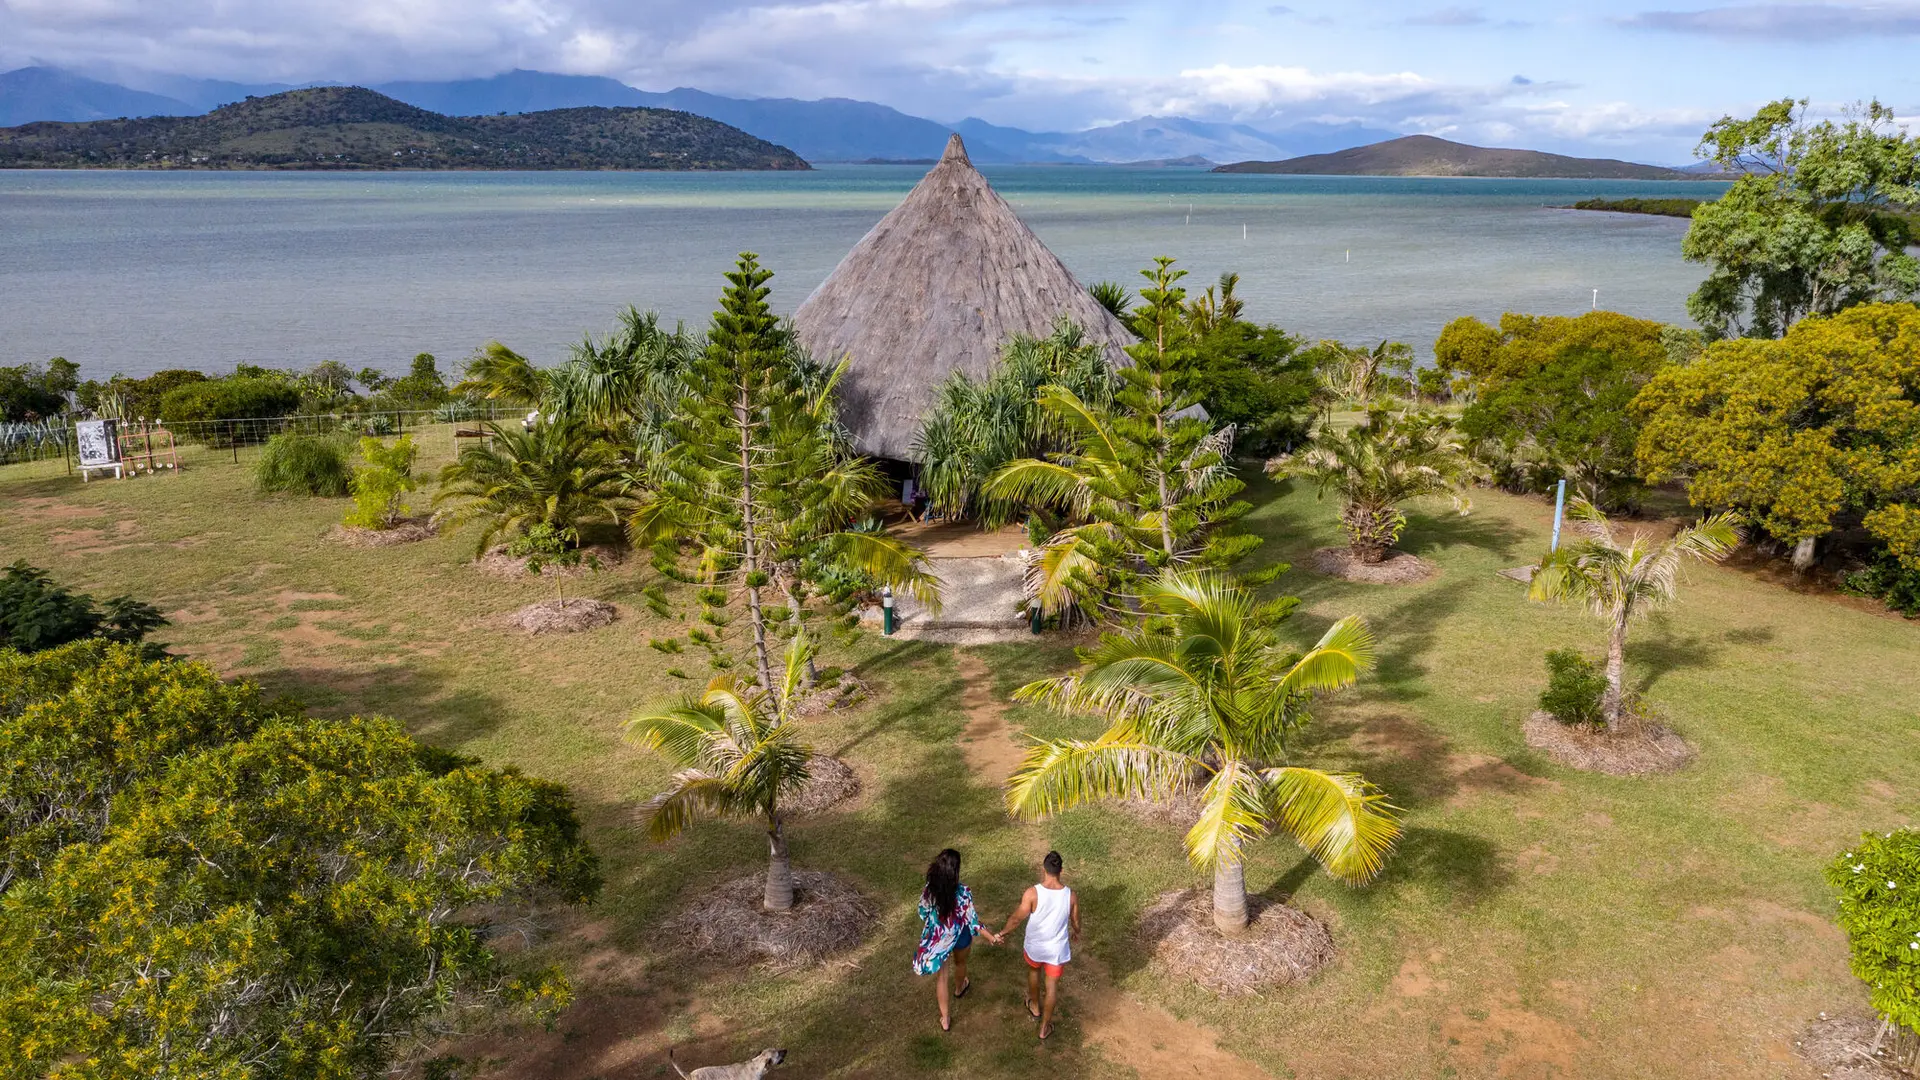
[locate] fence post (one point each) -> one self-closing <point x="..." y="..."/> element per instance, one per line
<point x="233" y="443"/>
<point x="64" y="456"/>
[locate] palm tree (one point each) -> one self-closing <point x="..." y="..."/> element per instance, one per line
<point x="497" y="373"/>
<point x="1351" y="373"/>
<point x="1210" y="692"/>
<point x="1619" y="578"/>
<point x="739" y="753"/>
<point x="1379" y="464"/>
<point x="556" y="473"/>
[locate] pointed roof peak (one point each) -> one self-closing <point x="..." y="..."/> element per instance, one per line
<point x="956" y="151"/>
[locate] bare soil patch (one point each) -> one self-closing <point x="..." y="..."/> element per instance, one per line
<point x="1398" y="568"/>
<point x="727" y="923"/>
<point x="1636" y="747"/>
<point x="830" y="782"/>
<point x="987" y="743"/>
<point x="563" y="616"/>
<point x="1841" y="1047"/>
<point x="54" y="510"/>
<point x="497" y="563"/>
<point x="409" y="531"/>
<point x="1282" y="945"/>
<point x="1152" y="1041"/>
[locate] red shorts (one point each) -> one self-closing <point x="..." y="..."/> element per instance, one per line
<point x="1053" y="970"/>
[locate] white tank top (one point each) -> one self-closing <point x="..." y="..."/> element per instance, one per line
<point x="1047" y="940"/>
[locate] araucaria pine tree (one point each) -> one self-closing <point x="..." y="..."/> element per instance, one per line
<point x="742" y="431"/>
<point x="1147" y="483"/>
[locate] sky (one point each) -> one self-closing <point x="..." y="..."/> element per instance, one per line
<point x="1638" y="79"/>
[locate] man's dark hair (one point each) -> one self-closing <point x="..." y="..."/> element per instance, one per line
<point x="1052" y="863"/>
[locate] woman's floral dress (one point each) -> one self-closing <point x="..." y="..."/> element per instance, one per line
<point x="937" y="939"/>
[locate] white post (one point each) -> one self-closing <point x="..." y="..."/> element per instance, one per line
<point x="1596" y="299"/>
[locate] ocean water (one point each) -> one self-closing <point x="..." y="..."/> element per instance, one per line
<point x="133" y="272"/>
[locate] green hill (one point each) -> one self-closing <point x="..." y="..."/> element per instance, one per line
<point x="1424" y="155"/>
<point x="347" y="127"/>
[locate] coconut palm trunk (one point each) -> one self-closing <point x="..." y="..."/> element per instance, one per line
<point x="779" y="893"/>
<point x="1230" y="895"/>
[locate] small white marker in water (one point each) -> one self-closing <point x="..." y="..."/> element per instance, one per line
<point x="1349" y="254"/>
<point x="1243" y="230"/>
<point x="1596" y="299"/>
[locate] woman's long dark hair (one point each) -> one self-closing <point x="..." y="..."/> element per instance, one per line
<point x="943" y="883"/>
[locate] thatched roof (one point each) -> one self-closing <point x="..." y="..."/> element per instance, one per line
<point x="938" y="286"/>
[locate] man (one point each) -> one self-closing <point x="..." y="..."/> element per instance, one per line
<point x="1053" y="915"/>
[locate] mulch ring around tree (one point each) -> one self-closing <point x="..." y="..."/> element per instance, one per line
<point x="1282" y="945"/>
<point x="563" y="616"/>
<point x="407" y="531"/>
<point x="497" y="563"/>
<point x="845" y="692"/>
<point x="829" y="783"/>
<point x="1398" y="568"/>
<point x="1841" y="1047"/>
<point x="1637" y="746"/>
<point x="728" y="923"/>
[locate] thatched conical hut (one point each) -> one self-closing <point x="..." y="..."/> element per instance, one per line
<point x="938" y="286"/>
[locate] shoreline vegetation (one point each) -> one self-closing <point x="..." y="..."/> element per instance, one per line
<point x="1680" y="208"/>
<point x="355" y="129"/>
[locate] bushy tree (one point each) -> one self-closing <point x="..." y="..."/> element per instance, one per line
<point x="35" y="391"/>
<point x="422" y="387"/>
<point x="1797" y="432"/>
<point x="37" y="612"/>
<point x="1204" y="694"/>
<point x="269" y="895"/>
<point x="1813" y="225"/>
<point x="380" y="485"/>
<point x="1551" y="396"/>
<point x="1878" y="883"/>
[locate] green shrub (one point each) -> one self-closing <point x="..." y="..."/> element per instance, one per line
<point x="379" y="484"/>
<point x="37" y="612"/>
<point x="1879" y="887"/>
<point x="229" y="399"/>
<point x="1890" y="580"/>
<point x="303" y="465"/>
<point x="1574" y="688"/>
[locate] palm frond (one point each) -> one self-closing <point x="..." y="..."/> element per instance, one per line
<point x="1065" y="773"/>
<point x="1345" y="823"/>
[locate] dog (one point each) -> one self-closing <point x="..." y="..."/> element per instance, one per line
<point x="754" y="1068"/>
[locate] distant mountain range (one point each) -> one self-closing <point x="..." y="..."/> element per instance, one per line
<point x="349" y="127"/>
<point x="1424" y="155"/>
<point x="831" y="129"/>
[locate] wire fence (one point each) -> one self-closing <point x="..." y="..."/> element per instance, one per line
<point x="150" y="445"/>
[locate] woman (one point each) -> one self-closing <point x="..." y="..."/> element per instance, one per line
<point x="948" y="923"/>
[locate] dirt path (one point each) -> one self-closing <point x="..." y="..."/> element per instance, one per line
<point x="1152" y="1041"/>
<point x="991" y="750"/>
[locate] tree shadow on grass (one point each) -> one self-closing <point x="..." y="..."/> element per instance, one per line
<point x="1461" y="867"/>
<point x="1658" y="652"/>
<point x="900" y="700"/>
<point x="1407" y="632"/>
<point x="434" y="708"/>
<point x="1427" y="533"/>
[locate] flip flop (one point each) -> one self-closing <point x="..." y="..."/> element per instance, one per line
<point x="1033" y="1011"/>
<point x="1044" y="1032"/>
<point x="946" y="1023"/>
<point x="964" y="987"/>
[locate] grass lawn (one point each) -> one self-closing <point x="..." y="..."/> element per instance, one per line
<point x="1535" y="922"/>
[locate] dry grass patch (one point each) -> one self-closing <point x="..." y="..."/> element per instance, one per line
<point x="728" y="924"/>
<point x="1282" y="945"/>
<point x="1635" y="747"/>
<point x="1399" y="568"/>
